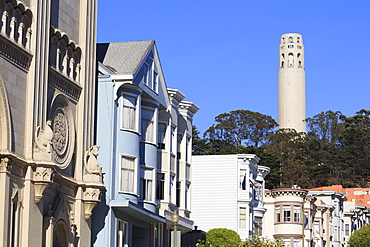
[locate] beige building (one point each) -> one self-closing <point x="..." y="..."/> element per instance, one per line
<point x="49" y="174"/>
<point x="292" y="85"/>
<point x="284" y="216"/>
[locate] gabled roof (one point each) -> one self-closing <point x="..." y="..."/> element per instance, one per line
<point x="123" y="57"/>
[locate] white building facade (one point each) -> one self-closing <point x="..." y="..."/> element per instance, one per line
<point x="145" y="133"/>
<point x="227" y="192"/>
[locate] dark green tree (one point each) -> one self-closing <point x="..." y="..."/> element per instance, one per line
<point x="240" y="127"/>
<point x="289" y="146"/>
<point x="200" y="146"/>
<point x="355" y="147"/>
<point x="326" y="127"/>
<point x="324" y="154"/>
<point x="360" y="237"/>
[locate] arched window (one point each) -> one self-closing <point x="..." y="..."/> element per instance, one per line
<point x="60" y="235"/>
<point x="290" y="60"/>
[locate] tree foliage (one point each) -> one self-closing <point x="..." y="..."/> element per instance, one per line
<point x="240" y="127"/>
<point x="222" y="237"/>
<point x="360" y="237"/>
<point x="335" y="150"/>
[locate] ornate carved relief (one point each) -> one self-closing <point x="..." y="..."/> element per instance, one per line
<point x="43" y="142"/>
<point x="64" y="55"/>
<point x="4" y="165"/>
<point x="63" y="140"/>
<point x="64" y="85"/>
<point x="43" y="177"/>
<point x="90" y="199"/>
<point x="15" y="33"/>
<point x="44" y="137"/>
<point x="14" y="53"/>
<point x="93" y="169"/>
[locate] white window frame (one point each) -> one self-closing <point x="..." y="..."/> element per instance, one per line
<point x="296" y="214"/>
<point x="162" y="129"/>
<point x="129" y="112"/>
<point x="242" y="217"/>
<point x="147" y="184"/>
<point x="148" y="130"/>
<point x="132" y="174"/>
<point x="161" y="181"/>
<point x="146" y="70"/>
<point x="121" y="233"/>
<point x="155" y="81"/>
<point x="243" y="179"/>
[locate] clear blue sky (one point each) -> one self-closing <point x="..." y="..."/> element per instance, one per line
<point x="223" y="55"/>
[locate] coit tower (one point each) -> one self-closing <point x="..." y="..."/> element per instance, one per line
<point x="292" y="86"/>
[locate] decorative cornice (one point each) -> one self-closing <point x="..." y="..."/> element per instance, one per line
<point x="91" y="198"/>
<point x="190" y="107"/>
<point x="64" y="84"/>
<point x="176" y="95"/>
<point x="286" y="192"/>
<point x="43" y="177"/>
<point x="14" y="53"/>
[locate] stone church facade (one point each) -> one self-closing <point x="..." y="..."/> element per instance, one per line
<point x="50" y="178"/>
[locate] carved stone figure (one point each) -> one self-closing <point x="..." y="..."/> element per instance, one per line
<point x="91" y="161"/>
<point x="44" y="137"/>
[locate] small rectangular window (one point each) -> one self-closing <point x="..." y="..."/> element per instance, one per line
<point x="297" y="210"/>
<point x="129" y="113"/>
<point x="178" y="193"/>
<point x="243" y="179"/>
<point x="346" y="229"/>
<point x="146" y="71"/>
<point x="242" y="218"/>
<point x="147" y="125"/>
<point x="146" y="185"/>
<point x="127" y="174"/>
<point x="155" y="81"/>
<point x="121" y="238"/>
<point x="287" y="213"/>
<point x="278" y="214"/>
<point x="160" y="186"/>
<point x="187" y="195"/>
<point x="161" y="135"/>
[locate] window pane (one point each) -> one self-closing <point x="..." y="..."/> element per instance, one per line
<point x="287" y="213"/>
<point x="243" y="179"/>
<point x="297" y="213"/>
<point x="147" y="125"/>
<point x="277" y="212"/>
<point x="127" y="174"/>
<point x="160" y="186"/>
<point x="242" y="218"/>
<point x="161" y="135"/>
<point x="128" y="113"/>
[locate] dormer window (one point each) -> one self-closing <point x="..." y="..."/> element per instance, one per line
<point x="145" y="76"/>
<point x="155" y="81"/>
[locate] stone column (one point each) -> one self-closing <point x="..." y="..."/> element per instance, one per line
<point x="4" y="20"/>
<point x="4" y="200"/>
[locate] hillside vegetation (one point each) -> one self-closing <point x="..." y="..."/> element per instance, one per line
<point x="335" y="149"/>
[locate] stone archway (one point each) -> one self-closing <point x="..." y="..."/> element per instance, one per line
<point x="5" y="124"/>
<point x="60" y="236"/>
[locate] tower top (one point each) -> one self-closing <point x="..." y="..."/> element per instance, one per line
<point x="291" y="38"/>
